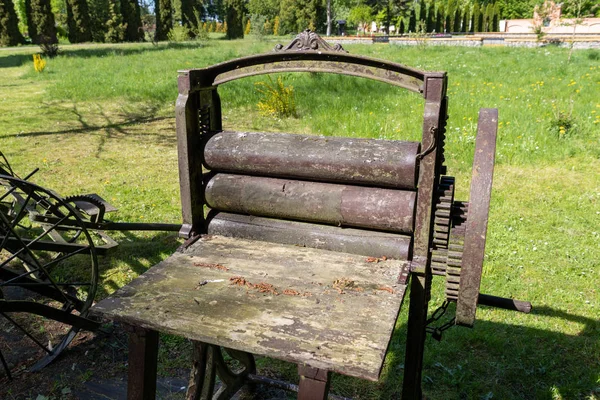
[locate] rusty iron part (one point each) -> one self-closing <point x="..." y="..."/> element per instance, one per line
<point x="370" y="162"/>
<point x="477" y="219"/>
<point x="328" y="203"/>
<point x="443" y="212"/>
<point x="345" y="240"/>
<point x="308" y="40"/>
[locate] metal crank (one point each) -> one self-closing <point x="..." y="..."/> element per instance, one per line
<point x="460" y="233"/>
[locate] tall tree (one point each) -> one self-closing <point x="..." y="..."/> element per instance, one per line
<point x="422" y="11"/>
<point x="465" y="20"/>
<point x="329" y="17"/>
<point x="130" y="10"/>
<point x="431" y="18"/>
<point x="477" y="17"/>
<point x="115" y="27"/>
<point x="412" y="21"/>
<point x="234" y="18"/>
<point x="188" y="17"/>
<point x="439" y="19"/>
<point x="164" y="19"/>
<point x="487" y="19"/>
<point x="456" y="22"/>
<point x="9" y="25"/>
<point x="99" y="16"/>
<point x="40" y="22"/>
<point x="78" y="21"/>
<point x="448" y="23"/>
<point x="496" y="18"/>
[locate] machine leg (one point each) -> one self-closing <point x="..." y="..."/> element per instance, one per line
<point x="143" y="355"/>
<point x="415" y="342"/>
<point x="314" y="383"/>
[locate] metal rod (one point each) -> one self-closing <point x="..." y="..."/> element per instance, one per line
<point x="503" y="302"/>
<point x="5" y="365"/>
<point x="24" y="331"/>
<point x="139" y="226"/>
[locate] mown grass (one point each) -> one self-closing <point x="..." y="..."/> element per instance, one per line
<point x="100" y="119"/>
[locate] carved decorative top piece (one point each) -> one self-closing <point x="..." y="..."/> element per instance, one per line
<point x="308" y="40"/>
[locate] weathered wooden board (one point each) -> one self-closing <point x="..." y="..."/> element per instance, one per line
<point x="373" y="162"/>
<point x="329" y="203"/>
<point x="329" y="310"/>
<point x="334" y="238"/>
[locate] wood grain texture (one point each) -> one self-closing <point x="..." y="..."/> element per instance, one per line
<point x="329" y="310"/>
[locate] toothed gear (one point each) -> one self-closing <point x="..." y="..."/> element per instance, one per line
<point x="443" y="212"/>
<point x="97" y="217"/>
<point x="455" y="249"/>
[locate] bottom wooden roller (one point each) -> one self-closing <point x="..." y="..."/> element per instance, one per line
<point x="354" y="241"/>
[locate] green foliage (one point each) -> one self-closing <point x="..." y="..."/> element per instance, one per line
<point x="360" y="14"/>
<point x="191" y="13"/>
<point x="258" y="26"/>
<point x="278" y="99"/>
<point x="466" y="19"/>
<point x="439" y="20"/>
<point x="430" y="22"/>
<point x="456" y="21"/>
<point x="477" y="18"/>
<point x="235" y="14"/>
<point x="132" y="19"/>
<point x="9" y="25"/>
<point x="164" y="19"/>
<point x="276" y="25"/>
<point x="412" y="21"/>
<point x="40" y="22"/>
<point x="115" y="26"/>
<point x="78" y="21"/>
<point x="99" y="16"/>
<point x="268" y="8"/>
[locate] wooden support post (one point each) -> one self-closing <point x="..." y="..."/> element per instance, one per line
<point x="314" y="383"/>
<point x="143" y="355"/>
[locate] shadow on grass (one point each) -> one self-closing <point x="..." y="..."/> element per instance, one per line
<point x="96" y="50"/>
<point x="110" y="129"/>
<point x="495" y="360"/>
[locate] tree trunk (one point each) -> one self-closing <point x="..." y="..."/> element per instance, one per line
<point x="328" y="17"/>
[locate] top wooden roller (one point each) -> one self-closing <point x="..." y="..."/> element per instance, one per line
<point x="383" y="163"/>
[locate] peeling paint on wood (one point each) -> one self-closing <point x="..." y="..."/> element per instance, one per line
<point x="346" y="332"/>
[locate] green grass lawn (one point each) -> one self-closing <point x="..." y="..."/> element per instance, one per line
<point x="101" y="119"/>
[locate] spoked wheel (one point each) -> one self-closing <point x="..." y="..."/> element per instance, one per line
<point x="48" y="268"/>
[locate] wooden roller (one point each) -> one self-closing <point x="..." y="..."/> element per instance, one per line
<point x="383" y="163"/>
<point x="346" y="240"/>
<point x="334" y="204"/>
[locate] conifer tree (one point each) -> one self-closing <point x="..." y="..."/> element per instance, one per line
<point x="422" y="11"/>
<point x="439" y="20"/>
<point x="9" y="25"/>
<point x="477" y="18"/>
<point x="188" y="17"/>
<point x="78" y="21"/>
<point x="496" y="18"/>
<point x="40" y="22"/>
<point x="99" y="16"/>
<point x="456" y="25"/>
<point x="401" y="27"/>
<point x="430" y="18"/>
<point x="448" y="23"/>
<point x="465" y="20"/>
<point x="487" y="19"/>
<point x="115" y="27"/>
<point x="130" y="10"/>
<point x="412" y="22"/>
<point x="164" y="19"/>
<point x="234" y="18"/>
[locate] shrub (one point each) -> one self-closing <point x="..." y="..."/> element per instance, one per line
<point x="278" y="99"/>
<point x="39" y="64"/>
<point x="276" y="26"/>
<point x="248" y="28"/>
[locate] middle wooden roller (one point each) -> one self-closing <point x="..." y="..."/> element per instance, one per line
<point x="335" y="204"/>
<point x="371" y="162"/>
